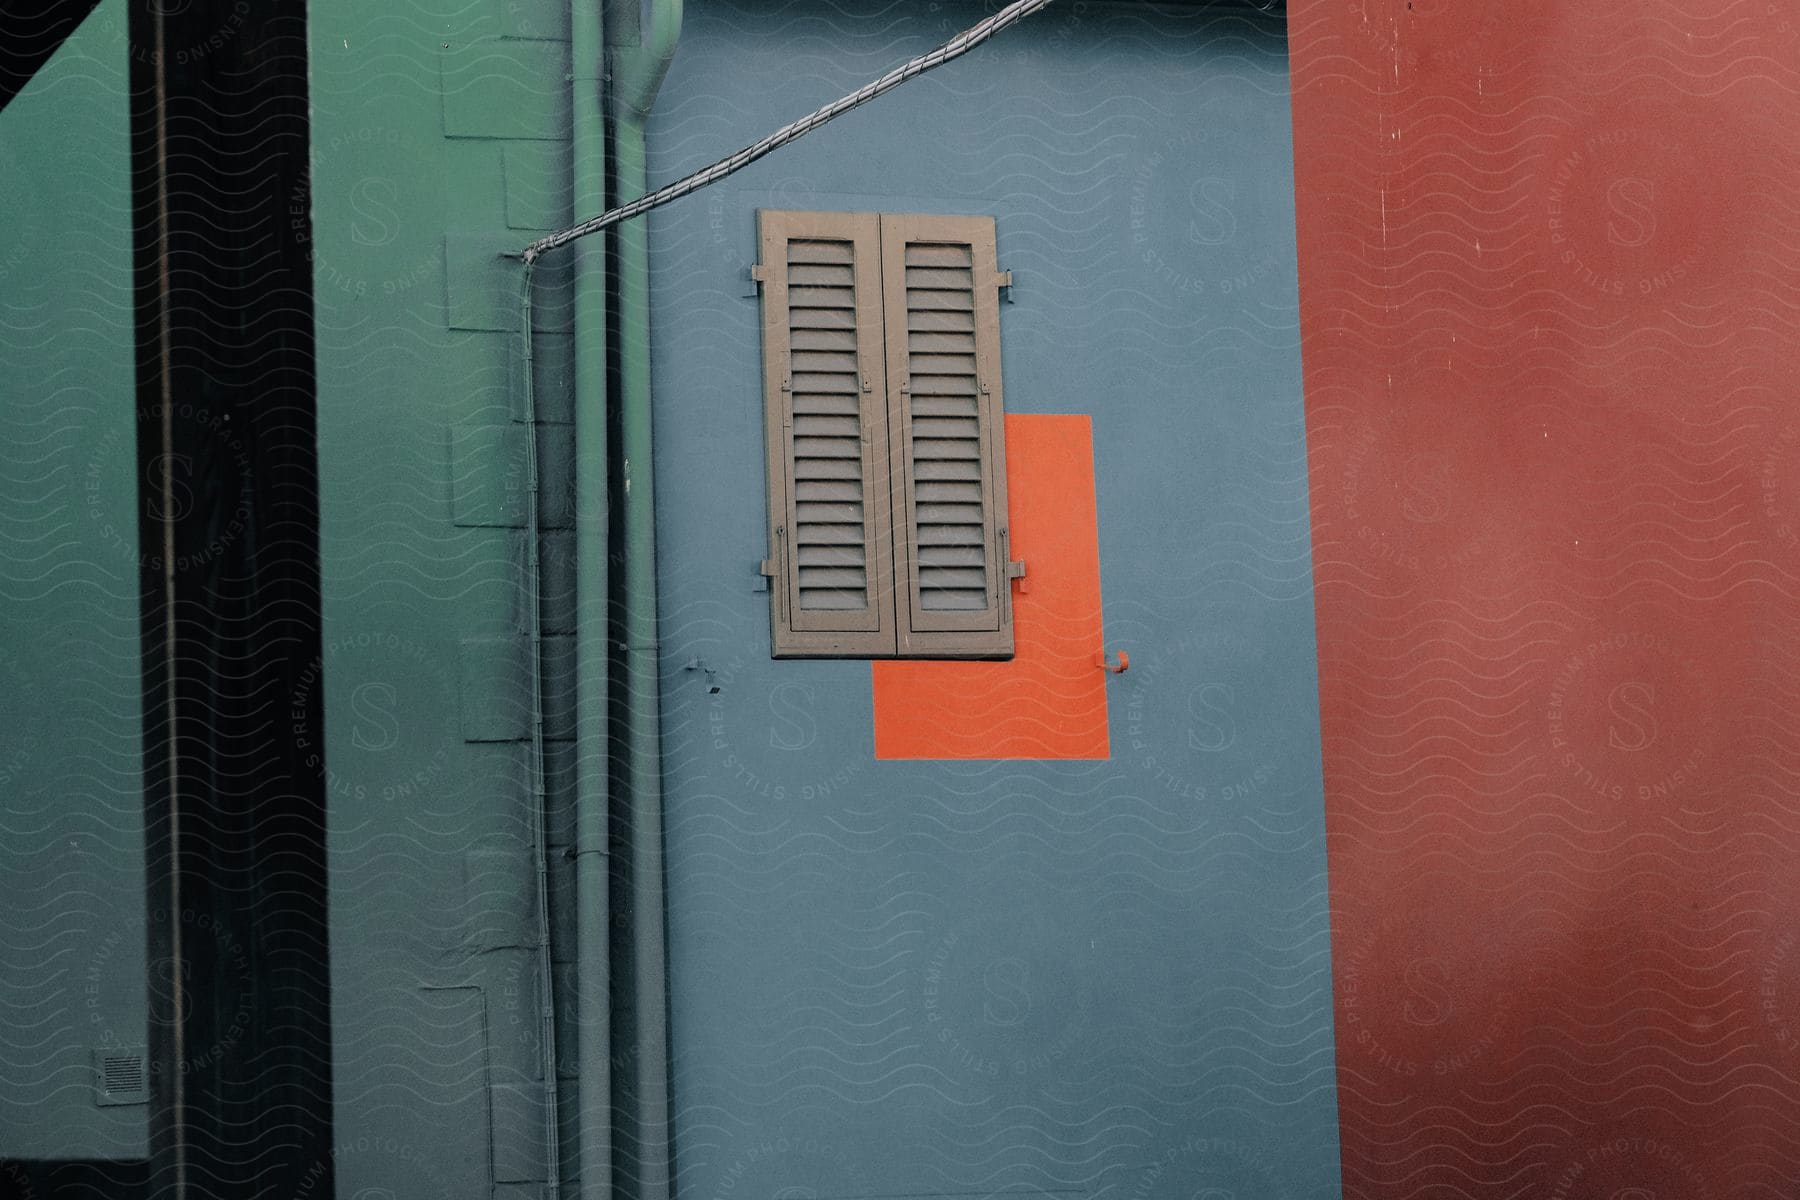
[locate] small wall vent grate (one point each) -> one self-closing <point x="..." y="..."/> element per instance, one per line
<point x="121" y="1075"/>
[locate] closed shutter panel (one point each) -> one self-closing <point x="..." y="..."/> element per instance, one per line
<point x="941" y="285"/>
<point x="827" y="434"/>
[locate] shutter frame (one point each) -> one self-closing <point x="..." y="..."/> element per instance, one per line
<point x="923" y="331"/>
<point x="798" y="630"/>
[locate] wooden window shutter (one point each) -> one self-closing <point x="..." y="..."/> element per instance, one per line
<point x="831" y="518"/>
<point x="952" y="573"/>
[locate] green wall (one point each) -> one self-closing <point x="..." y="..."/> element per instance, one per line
<point x="439" y="133"/>
<point x="71" y="838"/>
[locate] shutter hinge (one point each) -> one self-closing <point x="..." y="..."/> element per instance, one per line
<point x="1004" y="281"/>
<point x="759" y="273"/>
<point x="770" y="567"/>
<point x="1014" y="568"/>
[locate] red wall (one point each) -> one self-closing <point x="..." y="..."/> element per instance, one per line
<point x="1550" y="278"/>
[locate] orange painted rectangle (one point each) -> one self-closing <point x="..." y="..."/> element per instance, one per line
<point x="1049" y="701"/>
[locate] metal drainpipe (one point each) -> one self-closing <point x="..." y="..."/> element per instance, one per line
<point x="593" y="913"/>
<point x="638" y="65"/>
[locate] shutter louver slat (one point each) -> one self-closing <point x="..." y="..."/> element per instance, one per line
<point x="944" y="385"/>
<point x="827" y="468"/>
<point x="958" y="279"/>
<point x="801" y="250"/>
<point x="823" y="320"/>
<point x="942" y="364"/>
<point x="926" y="254"/>
<point x="826" y="404"/>
<point x="816" y="554"/>
<point x="959" y="515"/>
<point x="962" y="599"/>
<point x="958" y="428"/>
<point x="815" y="380"/>
<point x="948" y="535"/>
<point x="802" y="274"/>
<point x="922" y="300"/>
<point x="824" y="362"/>
<point x="817" y="512"/>
<point x="820" y="299"/>
<point x="943" y="322"/>
<point x="825" y="448"/>
<point x="957" y="469"/>
<point x="833" y="599"/>
<point x="928" y="491"/>
<point x="831" y="535"/>
<point x="927" y="405"/>
<point x="813" y="425"/>
<point x="947" y="342"/>
<point x="812" y="338"/>
<point x="939" y="448"/>
<point x="839" y="490"/>
<point x="849" y="579"/>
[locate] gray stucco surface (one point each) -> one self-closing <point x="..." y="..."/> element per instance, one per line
<point x="1083" y="978"/>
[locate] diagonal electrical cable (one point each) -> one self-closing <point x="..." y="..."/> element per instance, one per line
<point x="961" y="44"/>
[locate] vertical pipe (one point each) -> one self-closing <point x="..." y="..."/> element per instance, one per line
<point x="593" y="983"/>
<point x="638" y="70"/>
<point x="642" y="1136"/>
<point x="540" y="808"/>
<point x="640" y="690"/>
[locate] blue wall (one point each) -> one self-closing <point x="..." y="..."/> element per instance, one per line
<point x="1107" y="979"/>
